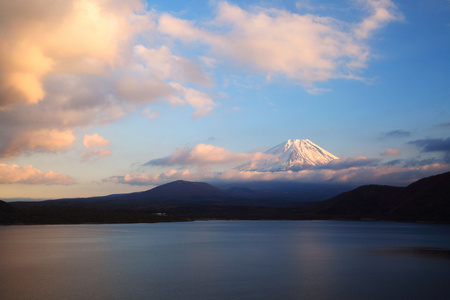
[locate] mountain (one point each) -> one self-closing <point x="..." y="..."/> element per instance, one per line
<point x="427" y="199"/>
<point x="181" y="189"/>
<point x="5" y="207"/>
<point x="178" y="192"/>
<point x="292" y="155"/>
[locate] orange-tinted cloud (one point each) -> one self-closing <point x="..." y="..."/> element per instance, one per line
<point x="43" y="140"/>
<point x="78" y="36"/>
<point x="30" y="175"/>
<point x="93" y="144"/>
<point x="94" y="141"/>
<point x="69" y="65"/>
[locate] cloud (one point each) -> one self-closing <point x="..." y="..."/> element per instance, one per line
<point x="30" y="175"/>
<point x="41" y="140"/>
<point x="93" y="144"/>
<point x="146" y="179"/>
<point x="79" y="36"/>
<point x="70" y="65"/>
<point x="162" y="62"/>
<point x="396" y="134"/>
<point x="307" y="48"/>
<point x="72" y="103"/>
<point x="432" y="145"/>
<point x="382" y="12"/>
<point x="200" y="101"/>
<point x="94" y="141"/>
<point x="390" y="152"/>
<point x="351" y="170"/>
<point x="203" y="155"/>
<point x="347" y="163"/>
<point x="418" y="162"/>
<point x="95" y="154"/>
<point x="385" y="174"/>
<point x="151" y="114"/>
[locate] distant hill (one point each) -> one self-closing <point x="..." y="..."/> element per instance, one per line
<point x="181" y="189"/>
<point x="7" y="213"/>
<point x="176" y="192"/>
<point x="5" y="207"/>
<point x="427" y="199"/>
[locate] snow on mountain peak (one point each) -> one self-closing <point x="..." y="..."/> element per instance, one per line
<point x="292" y="155"/>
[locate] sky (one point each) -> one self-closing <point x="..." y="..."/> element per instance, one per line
<point x="106" y="96"/>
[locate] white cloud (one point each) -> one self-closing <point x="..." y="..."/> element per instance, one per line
<point x="307" y="48"/>
<point x="202" y="103"/>
<point x="161" y="61"/>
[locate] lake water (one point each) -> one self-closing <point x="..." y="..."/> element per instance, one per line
<point x="226" y="260"/>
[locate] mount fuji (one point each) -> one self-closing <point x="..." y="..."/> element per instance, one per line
<point x="292" y="155"/>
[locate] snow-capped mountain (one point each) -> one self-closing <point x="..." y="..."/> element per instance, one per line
<point x="292" y="155"/>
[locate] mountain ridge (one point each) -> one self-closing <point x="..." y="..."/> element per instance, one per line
<point x="427" y="199"/>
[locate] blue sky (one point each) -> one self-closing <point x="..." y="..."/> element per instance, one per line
<point x="92" y="90"/>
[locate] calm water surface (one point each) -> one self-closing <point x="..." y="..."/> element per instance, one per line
<point x="226" y="260"/>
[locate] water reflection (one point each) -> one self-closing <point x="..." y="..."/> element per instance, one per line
<point x="225" y="260"/>
<point x="424" y="252"/>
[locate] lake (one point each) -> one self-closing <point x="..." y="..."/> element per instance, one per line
<point x="226" y="260"/>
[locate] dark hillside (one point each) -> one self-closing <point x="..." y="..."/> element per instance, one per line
<point x="425" y="200"/>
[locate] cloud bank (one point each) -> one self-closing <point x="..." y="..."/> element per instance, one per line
<point x="382" y="174"/>
<point x="350" y="170"/>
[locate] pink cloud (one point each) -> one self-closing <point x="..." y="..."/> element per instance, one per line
<point x="30" y="175"/>
<point x="93" y="144"/>
<point x="203" y="155"/>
